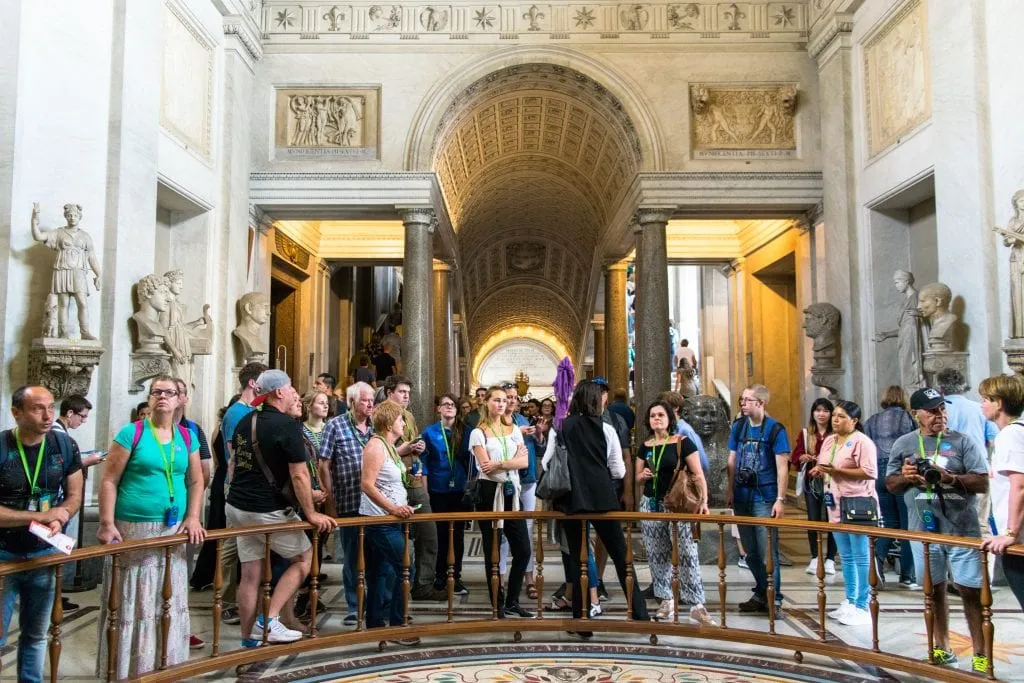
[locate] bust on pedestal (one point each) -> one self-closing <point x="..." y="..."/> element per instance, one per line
<point x="253" y="313"/>
<point x="943" y="338"/>
<point x="151" y="356"/>
<point x="821" y="323"/>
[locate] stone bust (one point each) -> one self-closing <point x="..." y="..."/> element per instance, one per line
<point x="821" y="323"/>
<point x="705" y="414"/>
<point x="154" y="298"/>
<point x="253" y="311"/>
<point x="933" y="301"/>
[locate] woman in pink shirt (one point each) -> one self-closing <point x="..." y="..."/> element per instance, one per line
<point x="848" y="463"/>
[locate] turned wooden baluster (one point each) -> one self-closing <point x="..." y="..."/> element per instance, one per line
<point x="584" y="586"/>
<point x="538" y="568"/>
<point x="450" y="560"/>
<point x="218" y="603"/>
<point x="165" y="609"/>
<point x="265" y="587"/>
<point x="873" y="603"/>
<point x="987" y="627"/>
<point x="721" y="572"/>
<point x="360" y="579"/>
<point x="406" y="583"/>
<point x="770" y="569"/>
<point x="495" y="580"/>
<point x="674" y="530"/>
<point x="113" y="625"/>
<point x="56" y="619"/>
<point x="820" y="574"/>
<point x="630" y="579"/>
<point x="314" y="584"/>
<point x="929" y="614"/>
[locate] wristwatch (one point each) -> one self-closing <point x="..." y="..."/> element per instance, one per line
<point x="780" y="500"/>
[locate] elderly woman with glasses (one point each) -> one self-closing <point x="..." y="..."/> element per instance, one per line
<point x="152" y="486"/>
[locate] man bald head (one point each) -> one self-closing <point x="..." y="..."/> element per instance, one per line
<point x="32" y="408"/>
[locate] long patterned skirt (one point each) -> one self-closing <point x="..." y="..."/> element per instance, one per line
<point x="140" y="584"/>
<point x="658" y="542"/>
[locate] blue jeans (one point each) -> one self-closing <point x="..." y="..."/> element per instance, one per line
<point x="35" y="592"/>
<point x="385" y="547"/>
<point x="853" y="550"/>
<point x="894" y="516"/>
<point x="350" y="569"/>
<point x="748" y="502"/>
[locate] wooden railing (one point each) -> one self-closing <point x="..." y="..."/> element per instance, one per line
<point x="821" y="645"/>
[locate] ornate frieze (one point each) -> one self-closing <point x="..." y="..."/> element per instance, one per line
<point x="329" y="122"/>
<point x="743" y="121"/>
<point x="601" y="21"/>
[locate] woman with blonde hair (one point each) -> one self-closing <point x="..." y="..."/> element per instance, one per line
<point x="884" y="427"/>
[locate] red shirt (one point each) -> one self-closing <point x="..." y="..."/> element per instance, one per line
<point x="801" y="448"/>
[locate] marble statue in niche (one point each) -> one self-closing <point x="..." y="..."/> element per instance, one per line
<point x="254" y="312"/>
<point x="909" y="345"/>
<point x="325" y="120"/>
<point x="1013" y="237"/>
<point x="154" y="298"/>
<point x="933" y="302"/>
<point x="710" y="419"/>
<point x="76" y="261"/>
<point x="182" y="336"/>
<point x="821" y="323"/>
<point x="748" y="118"/>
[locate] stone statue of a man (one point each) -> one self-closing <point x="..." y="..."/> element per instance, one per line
<point x="154" y="299"/>
<point x="76" y="257"/>
<point x="934" y="304"/>
<point x="821" y="323"/>
<point x="254" y="311"/>
<point x="909" y="346"/>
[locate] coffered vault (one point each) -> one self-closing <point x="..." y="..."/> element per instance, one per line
<point x="534" y="160"/>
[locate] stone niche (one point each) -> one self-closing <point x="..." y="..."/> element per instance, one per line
<point x="327" y="123"/>
<point x="734" y="121"/>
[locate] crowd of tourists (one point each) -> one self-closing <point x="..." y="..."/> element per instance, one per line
<point x="920" y="464"/>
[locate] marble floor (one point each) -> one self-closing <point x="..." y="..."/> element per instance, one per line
<point x="608" y="657"/>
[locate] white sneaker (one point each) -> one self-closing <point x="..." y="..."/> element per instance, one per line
<point x="276" y="632"/>
<point x="844" y="607"/>
<point x="830" y="567"/>
<point x="595" y="610"/>
<point x="812" y="566"/>
<point x="855" y="617"/>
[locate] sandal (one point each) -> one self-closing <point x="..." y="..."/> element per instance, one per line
<point x="531" y="591"/>
<point x="560" y="604"/>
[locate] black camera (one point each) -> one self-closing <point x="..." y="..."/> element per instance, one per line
<point x="746" y="477"/>
<point x="932" y="474"/>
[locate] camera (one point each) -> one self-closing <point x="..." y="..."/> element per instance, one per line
<point x="746" y="477"/>
<point x="932" y="474"/>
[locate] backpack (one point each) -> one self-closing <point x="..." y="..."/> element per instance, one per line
<point x="64" y="445"/>
<point x="186" y="436"/>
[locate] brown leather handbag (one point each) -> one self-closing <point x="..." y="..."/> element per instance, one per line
<point x="683" y="493"/>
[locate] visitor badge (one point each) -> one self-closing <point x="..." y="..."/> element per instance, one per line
<point x="171" y="516"/>
<point x="830" y="500"/>
<point x="44" y="503"/>
<point x="508" y="488"/>
<point x="928" y="521"/>
<point x="33" y="504"/>
<point x="451" y="483"/>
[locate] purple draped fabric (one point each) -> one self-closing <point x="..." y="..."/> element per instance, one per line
<point x="565" y="380"/>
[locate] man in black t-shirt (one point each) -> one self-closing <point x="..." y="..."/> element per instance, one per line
<point x="40" y="481"/>
<point x="257" y="496"/>
<point x="385" y="365"/>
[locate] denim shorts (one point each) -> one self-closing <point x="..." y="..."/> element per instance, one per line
<point x="964" y="564"/>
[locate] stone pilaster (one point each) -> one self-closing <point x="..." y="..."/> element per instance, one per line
<point x="600" y="357"/>
<point x="616" y="330"/>
<point x="417" y="319"/>
<point x="443" y="338"/>
<point x="653" y="353"/>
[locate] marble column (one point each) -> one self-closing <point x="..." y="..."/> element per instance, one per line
<point x="600" y="357"/>
<point x="417" y="319"/>
<point x="616" y="331"/>
<point x="653" y="363"/>
<point x="442" y="327"/>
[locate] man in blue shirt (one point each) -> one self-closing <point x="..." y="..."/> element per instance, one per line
<point x="756" y="487"/>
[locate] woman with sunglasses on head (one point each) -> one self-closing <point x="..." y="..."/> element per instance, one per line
<point x="152" y="486"/>
<point x="848" y="466"/>
<point x="500" y="453"/>
<point x="805" y="455"/>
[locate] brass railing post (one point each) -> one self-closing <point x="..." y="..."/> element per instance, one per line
<point x="360" y="579"/>
<point x="770" y="569"/>
<point x="495" y="579"/>
<point x="165" y="609"/>
<point x="873" y="582"/>
<point x="265" y="588"/>
<point x="987" y="628"/>
<point x="113" y="618"/>
<point x="406" y="584"/>
<point x="450" y="561"/>
<point x="721" y="572"/>
<point x="56" y="619"/>
<point x="630" y="578"/>
<point x="673" y="529"/>
<point x="584" y="586"/>
<point x="929" y="614"/>
<point x="218" y="603"/>
<point x="819" y="573"/>
<point x="538" y="562"/>
<point x="314" y="583"/>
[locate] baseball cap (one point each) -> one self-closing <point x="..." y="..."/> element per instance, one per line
<point x="601" y="382"/>
<point x="926" y="399"/>
<point x="270" y="380"/>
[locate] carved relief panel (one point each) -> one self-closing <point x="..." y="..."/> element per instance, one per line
<point x="328" y="122"/>
<point x="743" y="121"/>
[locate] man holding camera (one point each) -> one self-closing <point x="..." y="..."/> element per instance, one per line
<point x="939" y="474"/>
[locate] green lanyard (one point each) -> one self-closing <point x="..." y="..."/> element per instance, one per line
<point x="504" y="447"/>
<point x="656" y="457"/>
<point x="168" y="466"/>
<point x="355" y="430"/>
<point x="832" y="459"/>
<point x="924" y="456"/>
<point x="447" y="450"/>
<point x="24" y="462"/>
<point x="394" y="457"/>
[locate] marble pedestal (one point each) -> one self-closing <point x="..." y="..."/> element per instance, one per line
<point x="1014" y="350"/>
<point x="146" y="364"/>
<point x="935" y="362"/>
<point x="829" y="379"/>
<point x="63" y="366"/>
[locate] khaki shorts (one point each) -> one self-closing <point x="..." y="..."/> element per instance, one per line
<point x="287" y="544"/>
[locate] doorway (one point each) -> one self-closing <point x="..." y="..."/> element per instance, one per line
<point x="776" y="339"/>
<point x="284" y="325"/>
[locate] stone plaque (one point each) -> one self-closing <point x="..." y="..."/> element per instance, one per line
<point x="327" y="122"/>
<point x="742" y="121"/>
<point x="186" y="91"/>
<point x="896" y="77"/>
<point x="520" y="355"/>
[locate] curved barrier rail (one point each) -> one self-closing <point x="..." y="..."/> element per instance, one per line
<point x="219" y="659"/>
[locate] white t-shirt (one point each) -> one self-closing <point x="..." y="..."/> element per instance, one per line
<point x="616" y="465"/>
<point x="498" y="452"/>
<point x="687" y="353"/>
<point x="1007" y="457"/>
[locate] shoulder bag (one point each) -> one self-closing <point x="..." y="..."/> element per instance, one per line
<point x="683" y="493"/>
<point x="801" y="471"/>
<point x="861" y="510"/>
<point x="286" y="490"/>
<point x="556" y="483"/>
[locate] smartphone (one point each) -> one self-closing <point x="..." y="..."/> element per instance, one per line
<point x="417" y="506"/>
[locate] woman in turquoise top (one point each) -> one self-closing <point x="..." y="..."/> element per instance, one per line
<point x="152" y="486"/>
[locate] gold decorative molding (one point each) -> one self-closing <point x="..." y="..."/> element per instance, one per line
<point x="291" y="250"/>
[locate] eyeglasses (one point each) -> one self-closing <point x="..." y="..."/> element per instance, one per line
<point x="157" y="393"/>
<point x="82" y="416"/>
<point x="750" y="400"/>
<point x="445" y="404"/>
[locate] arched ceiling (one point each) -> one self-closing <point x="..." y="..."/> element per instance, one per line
<point x="533" y="160"/>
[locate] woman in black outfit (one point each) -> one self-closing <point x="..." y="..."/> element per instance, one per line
<point x="595" y="460"/>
